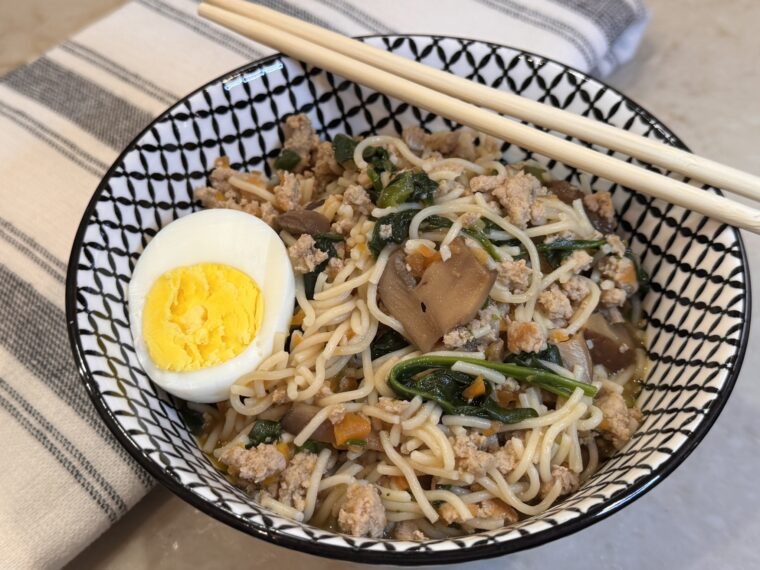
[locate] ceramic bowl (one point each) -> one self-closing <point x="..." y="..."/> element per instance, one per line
<point x="697" y="308"/>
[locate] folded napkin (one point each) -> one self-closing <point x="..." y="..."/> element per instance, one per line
<point x="64" y="118"/>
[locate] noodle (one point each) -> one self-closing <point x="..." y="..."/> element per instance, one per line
<point x="427" y="460"/>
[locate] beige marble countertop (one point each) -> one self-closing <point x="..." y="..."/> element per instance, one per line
<point x="696" y="70"/>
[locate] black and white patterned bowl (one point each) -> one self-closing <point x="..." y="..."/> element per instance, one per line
<point x="698" y="307"/>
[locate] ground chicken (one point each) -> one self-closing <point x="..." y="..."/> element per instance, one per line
<point x="335" y="266"/>
<point x="507" y="457"/>
<point x="569" y="481"/>
<point x="300" y="138"/>
<point x="358" y="198"/>
<point x="514" y="275"/>
<point x="304" y="254"/>
<point x="517" y="196"/>
<point x="343" y="226"/>
<point x="326" y="169"/>
<point x="408" y="530"/>
<point x="255" y="464"/>
<point x="268" y="213"/>
<point x="619" y="421"/>
<point x="479" y="332"/>
<point x="576" y="289"/>
<point x="621" y="270"/>
<point x="362" y="513"/>
<point x="230" y="200"/>
<point x="287" y="194"/>
<point x="469" y="219"/>
<point x="487" y="183"/>
<point x="337" y="414"/>
<point x="615" y="244"/>
<point x="294" y="481"/>
<point x="525" y="337"/>
<point x="392" y="405"/>
<point x="581" y="259"/>
<point x="415" y="138"/>
<point x="599" y="205"/>
<point x="386" y="231"/>
<point x="613" y="297"/>
<point x="488" y="509"/>
<point x="556" y="305"/>
<point x="280" y="395"/>
<point x="469" y="457"/>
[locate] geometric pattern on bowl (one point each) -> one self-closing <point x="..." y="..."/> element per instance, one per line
<point x="697" y="308"/>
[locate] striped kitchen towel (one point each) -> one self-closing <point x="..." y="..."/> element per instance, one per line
<point x="63" y="120"/>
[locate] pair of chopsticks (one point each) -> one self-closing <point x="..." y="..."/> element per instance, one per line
<point x="461" y="100"/>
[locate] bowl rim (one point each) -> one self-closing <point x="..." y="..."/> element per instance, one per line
<point x="596" y="513"/>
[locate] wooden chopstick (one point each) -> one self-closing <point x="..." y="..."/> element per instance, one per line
<point x="586" y="129"/>
<point x="607" y="167"/>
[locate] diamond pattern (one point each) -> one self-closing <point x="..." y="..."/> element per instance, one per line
<point x="697" y="324"/>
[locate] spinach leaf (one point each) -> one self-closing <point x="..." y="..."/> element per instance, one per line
<point x="386" y="340"/>
<point x="343" y="149"/>
<point x="379" y="158"/>
<point x="445" y="386"/>
<point x="398" y="222"/>
<point x="475" y="232"/>
<point x="310" y="446"/>
<point x="287" y="160"/>
<point x="403" y="380"/>
<point x="408" y="186"/>
<point x="641" y="275"/>
<point x="359" y="442"/>
<point x="326" y="243"/>
<point x="378" y="161"/>
<point x="194" y="419"/>
<point x="263" y="431"/>
<point x="556" y="251"/>
<point x="532" y="359"/>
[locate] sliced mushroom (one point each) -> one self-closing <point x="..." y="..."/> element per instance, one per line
<point x="300" y="415"/>
<point x="452" y="292"/>
<point x="297" y="222"/>
<point x="612" y="346"/>
<point x="576" y="357"/>
<point x="564" y="191"/>
<point x="396" y="289"/>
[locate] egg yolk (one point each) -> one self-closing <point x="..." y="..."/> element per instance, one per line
<point x="200" y="316"/>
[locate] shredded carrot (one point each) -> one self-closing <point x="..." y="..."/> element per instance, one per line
<point x="297" y="319"/>
<point x="495" y="428"/>
<point x="353" y="426"/>
<point x="432" y="259"/>
<point x="476" y="389"/>
<point x="400" y="483"/>
<point x="559" y="336"/>
<point x="284" y="448"/>
<point x="425" y="251"/>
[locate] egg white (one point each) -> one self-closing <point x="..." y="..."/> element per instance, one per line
<point x="233" y="238"/>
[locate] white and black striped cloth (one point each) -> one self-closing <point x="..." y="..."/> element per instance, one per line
<point x="63" y="120"/>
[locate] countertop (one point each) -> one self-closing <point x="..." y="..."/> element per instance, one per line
<point x="697" y="71"/>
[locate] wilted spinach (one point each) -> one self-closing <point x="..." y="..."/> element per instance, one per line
<point x="194" y="419"/>
<point x="398" y="222"/>
<point x="326" y="243"/>
<point x="263" y="431"/>
<point x="408" y="186"/>
<point x="287" y="160"/>
<point x="343" y="149"/>
<point x="311" y="446"/>
<point x="386" y="340"/>
<point x="533" y="359"/>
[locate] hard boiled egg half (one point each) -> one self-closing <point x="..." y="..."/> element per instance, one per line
<point x="206" y="299"/>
